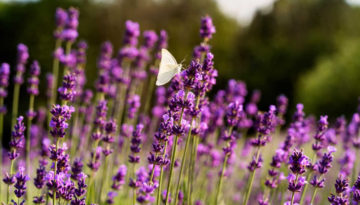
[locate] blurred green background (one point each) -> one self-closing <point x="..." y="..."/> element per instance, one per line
<point x="308" y="50"/>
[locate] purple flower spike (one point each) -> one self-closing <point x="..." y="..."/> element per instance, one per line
<point x="132" y="32"/>
<point x="17" y="138"/>
<point x="60" y="17"/>
<point x="58" y="123"/>
<point x="34" y="79"/>
<point x="207" y="28"/>
<point x="4" y="82"/>
<point x="320" y="133"/>
<point x="150" y="39"/>
<point x="341" y="186"/>
<point x="135" y="146"/>
<point x="110" y="129"/>
<point x="22" y="57"/>
<point x="70" y="32"/>
<point x="67" y="90"/>
<point x="20" y="185"/>
<point x="119" y="178"/>
<point x="133" y="105"/>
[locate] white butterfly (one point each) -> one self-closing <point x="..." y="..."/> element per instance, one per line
<point x="168" y="68"/>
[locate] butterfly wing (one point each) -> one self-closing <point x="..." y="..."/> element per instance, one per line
<point x="165" y="77"/>
<point x="168" y="68"/>
<point x="167" y="58"/>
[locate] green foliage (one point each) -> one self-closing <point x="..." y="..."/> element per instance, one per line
<point x="281" y="45"/>
<point x="333" y="86"/>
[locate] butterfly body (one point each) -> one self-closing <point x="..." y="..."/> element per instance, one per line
<point x="168" y="68"/>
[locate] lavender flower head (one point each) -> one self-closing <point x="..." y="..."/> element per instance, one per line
<point x="207" y="28"/>
<point x="132" y="32"/>
<point x="119" y="177"/>
<point x="133" y="105"/>
<point x="60" y="116"/>
<point x="150" y="39"/>
<point x="17" y="138"/>
<point x="20" y="185"/>
<point x="320" y="133"/>
<point x="70" y="32"/>
<point x="60" y="21"/>
<point x="22" y="57"/>
<point x="34" y="79"/>
<point x="341" y="186"/>
<point x="68" y="89"/>
<point x="4" y="82"/>
<point x="110" y="129"/>
<point x="135" y="146"/>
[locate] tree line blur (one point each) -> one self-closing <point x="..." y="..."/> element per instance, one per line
<point x="306" y="49"/>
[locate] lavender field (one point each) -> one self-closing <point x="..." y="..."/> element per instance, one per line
<point x="128" y="141"/>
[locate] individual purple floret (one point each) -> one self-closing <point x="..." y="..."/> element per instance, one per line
<point x="207" y="28"/>
<point x="39" y="199"/>
<point x="33" y="80"/>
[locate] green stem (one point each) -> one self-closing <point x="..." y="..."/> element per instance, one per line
<point x="55" y="165"/>
<point x="158" y="198"/>
<point x="1" y="136"/>
<point x="183" y="161"/>
<point x="313" y="196"/>
<point x="67" y="51"/>
<point x="355" y="167"/>
<point x="173" y="153"/>
<point x="220" y="180"/>
<point x="15" y="104"/>
<point x="55" y="71"/>
<point x="103" y="180"/>
<point x="293" y="193"/>
<point x="252" y="175"/>
<point x="8" y="188"/>
<point x="308" y="177"/>
<point x="28" y="140"/>
<point x="222" y="172"/>
<point x="134" y="191"/>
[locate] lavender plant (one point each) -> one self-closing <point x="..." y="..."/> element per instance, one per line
<point x="125" y="142"/>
